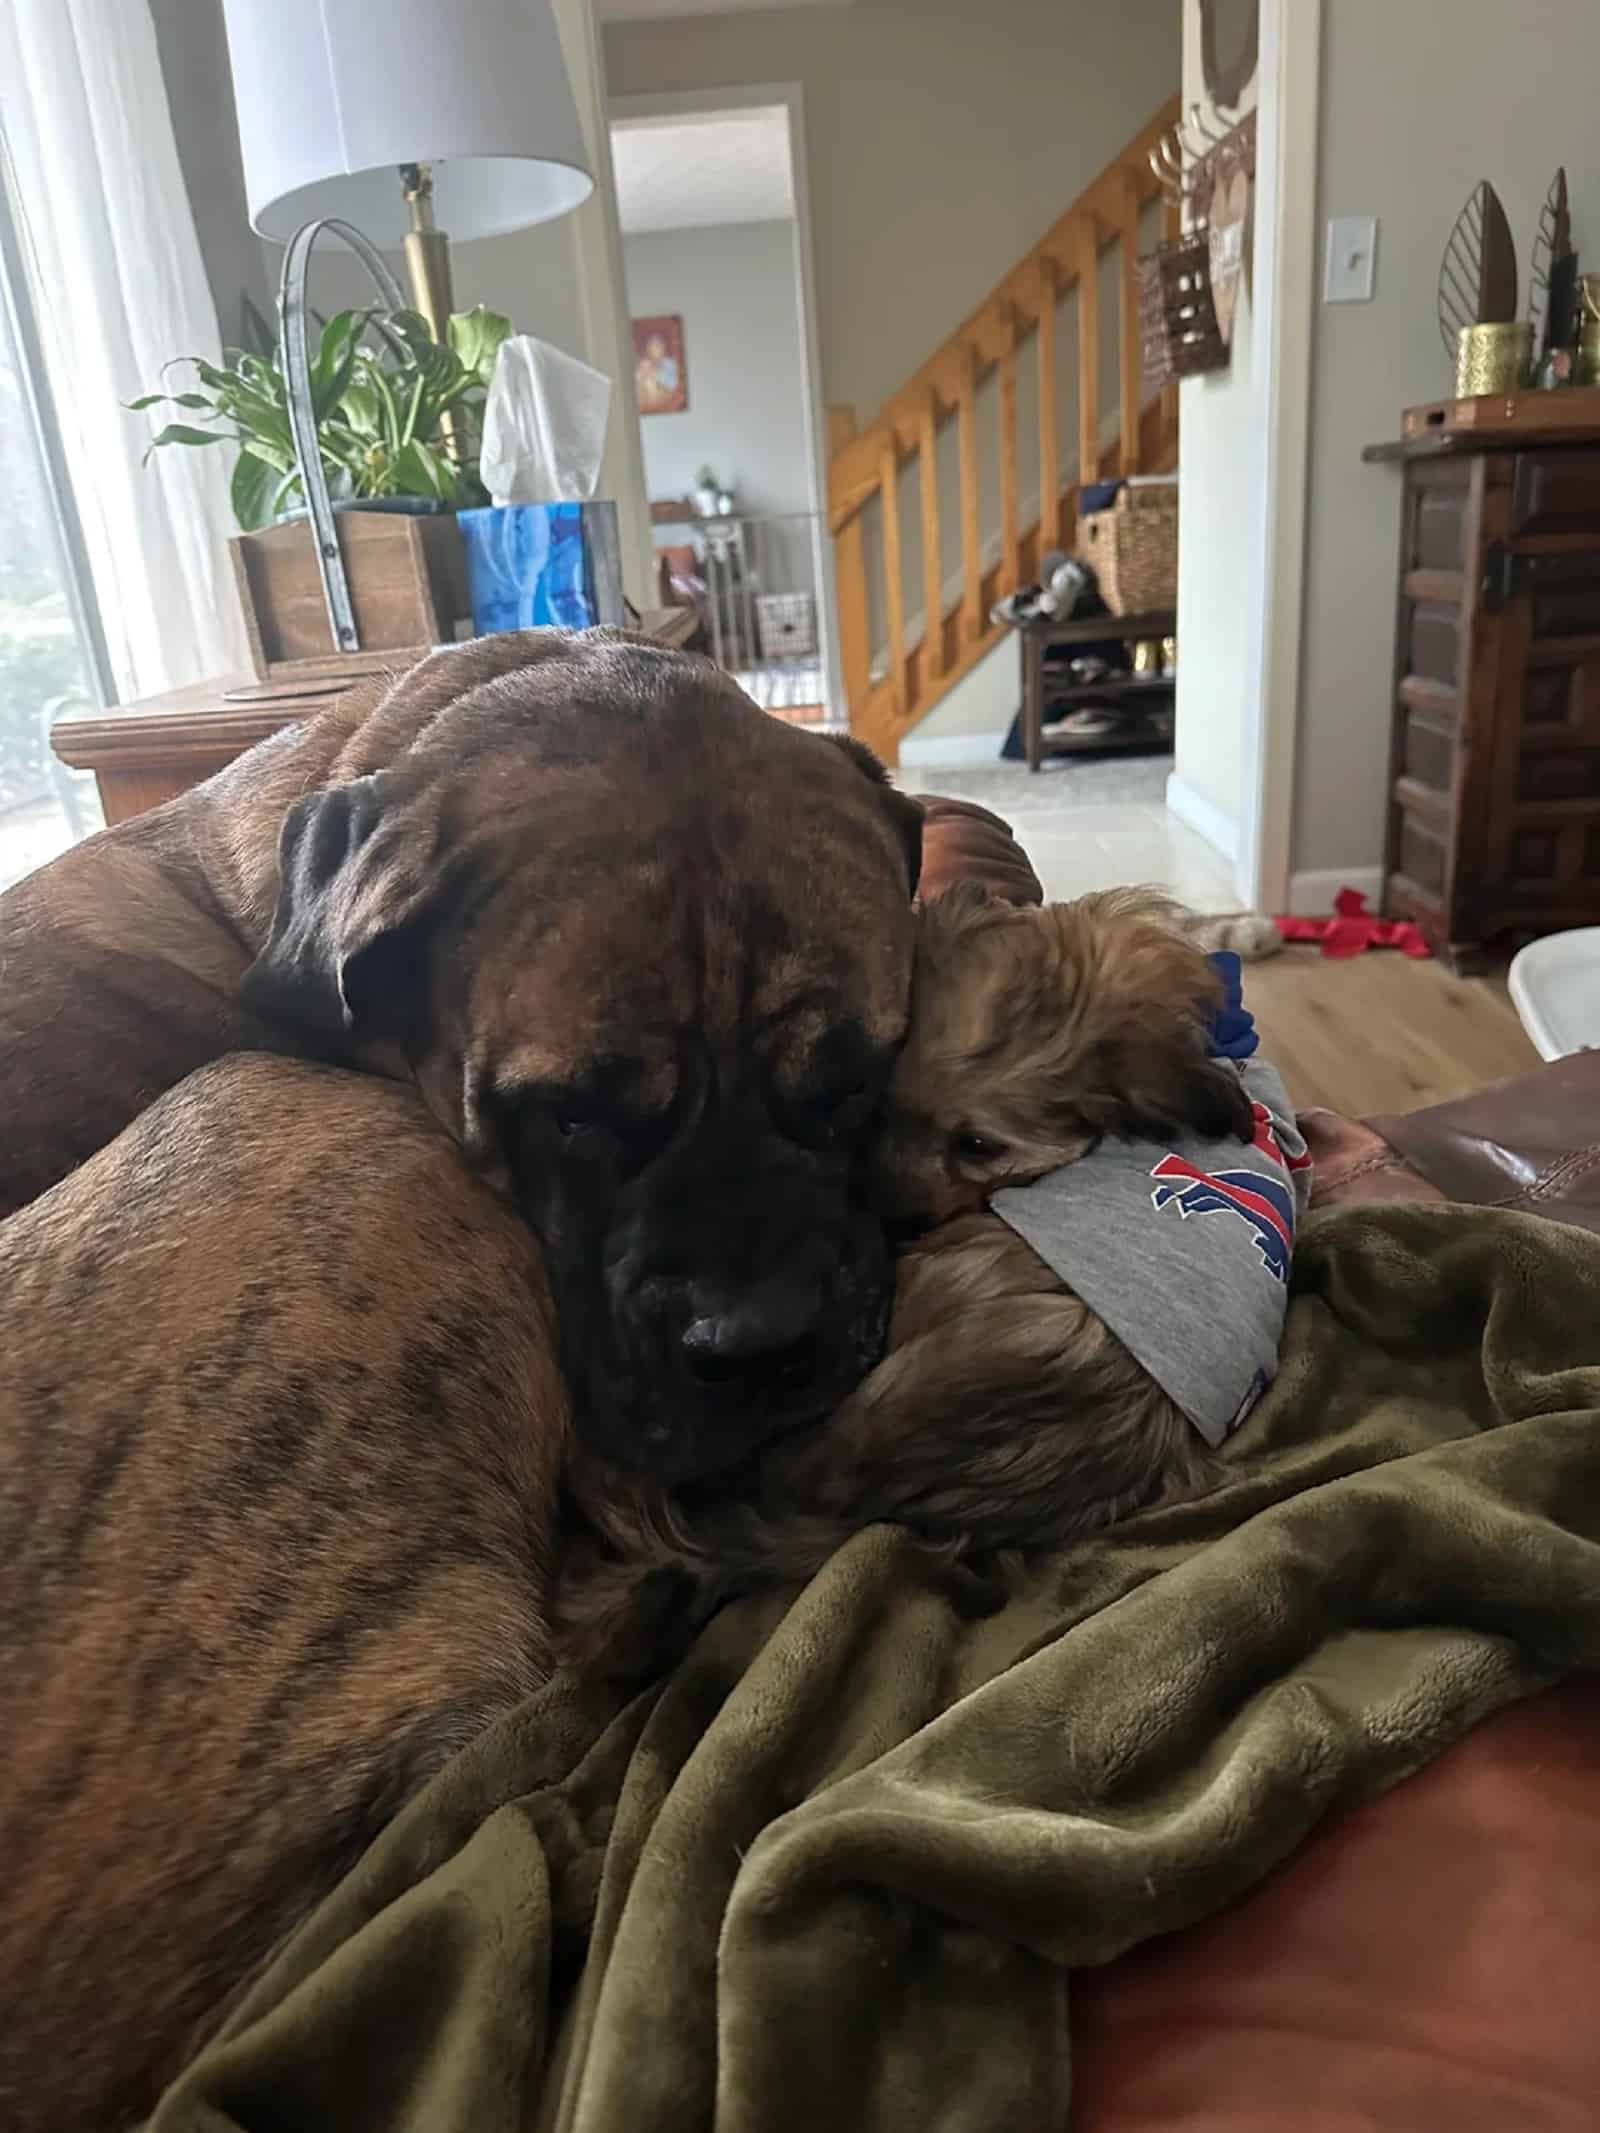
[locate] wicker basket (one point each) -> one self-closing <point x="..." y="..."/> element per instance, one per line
<point x="1178" y="331"/>
<point x="1133" y="550"/>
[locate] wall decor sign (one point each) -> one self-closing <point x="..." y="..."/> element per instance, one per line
<point x="1226" y="236"/>
<point x="660" y="374"/>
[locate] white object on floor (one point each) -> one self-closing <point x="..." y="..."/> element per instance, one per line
<point x="1251" y="935"/>
<point x="1555" y="989"/>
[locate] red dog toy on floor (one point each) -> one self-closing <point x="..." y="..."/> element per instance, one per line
<point x="1354" y="929"/>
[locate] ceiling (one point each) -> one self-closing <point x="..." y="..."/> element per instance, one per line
<point x="688" y="173"/>
<point x="652" y="10"/>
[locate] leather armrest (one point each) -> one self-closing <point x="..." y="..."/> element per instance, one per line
<point x="1531" y="1143"/>
<point x="964" y="842"/>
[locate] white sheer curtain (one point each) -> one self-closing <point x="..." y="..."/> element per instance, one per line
<point x="120" y="290"/>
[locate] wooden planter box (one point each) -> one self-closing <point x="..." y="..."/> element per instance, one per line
<point x="408" y="587"/>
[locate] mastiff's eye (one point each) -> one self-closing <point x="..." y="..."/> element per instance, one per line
<point x="570" y="1121"/>
<point x="826" y="1101"/>
<point x="592" y="1125"/>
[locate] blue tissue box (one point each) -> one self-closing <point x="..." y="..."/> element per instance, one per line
<point x="535" y="565"/>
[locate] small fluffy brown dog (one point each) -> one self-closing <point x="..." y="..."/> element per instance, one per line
<point x="1005" y="1416"/>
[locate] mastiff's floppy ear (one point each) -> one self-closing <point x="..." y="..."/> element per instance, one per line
<point x="905" y="816"/>
<point x="355" y="872"/>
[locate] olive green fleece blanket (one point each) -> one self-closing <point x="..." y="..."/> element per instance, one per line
<point x="838" y="1869"/>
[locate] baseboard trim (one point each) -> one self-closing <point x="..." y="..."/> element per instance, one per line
<point x="955" y="751"/>
<point x="1311" y="894"/>
<point x="1204" y="817"/>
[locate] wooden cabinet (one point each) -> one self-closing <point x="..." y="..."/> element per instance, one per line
<point x="1145" y="700"/>
<point x="1494" y="812"/>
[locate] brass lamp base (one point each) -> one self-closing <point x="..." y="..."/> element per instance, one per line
<point x="428" y="271"/>
<point x="427" y="251"/>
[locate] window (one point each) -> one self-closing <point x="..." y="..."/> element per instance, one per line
<point x="51" y="661"/>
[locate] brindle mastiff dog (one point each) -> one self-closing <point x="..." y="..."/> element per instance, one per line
<point x="280" y="1431"/>
<point x="644" y="951"/>
<point x="279" y="1418"/>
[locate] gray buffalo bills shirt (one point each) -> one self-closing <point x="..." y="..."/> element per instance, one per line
<point x="1183" y="1247"/>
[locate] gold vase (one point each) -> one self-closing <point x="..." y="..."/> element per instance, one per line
<point x="1587" y="369"/>
<point x="1492" y="359"/>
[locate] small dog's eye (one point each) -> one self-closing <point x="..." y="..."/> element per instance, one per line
<point x="975" y="1147"/>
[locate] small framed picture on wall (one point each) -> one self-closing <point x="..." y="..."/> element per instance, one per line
<point x="660" y="375"/>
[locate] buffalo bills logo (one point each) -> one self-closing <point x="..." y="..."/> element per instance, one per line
<point x="1266" y="1204"/>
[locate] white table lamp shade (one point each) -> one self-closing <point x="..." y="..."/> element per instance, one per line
<point x="333" y="95"/>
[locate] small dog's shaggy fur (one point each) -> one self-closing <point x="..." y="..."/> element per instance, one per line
<point x="1006" y="1415"/>
<point x="1036" y="1032"/>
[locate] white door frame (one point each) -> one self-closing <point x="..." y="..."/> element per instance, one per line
<point x="1288" y="128"/>
<point x="602" y="295"/>
<point x="745" y="96"/>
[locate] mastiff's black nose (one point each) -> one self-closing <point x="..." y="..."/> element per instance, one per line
<point x="761" y="1335"/>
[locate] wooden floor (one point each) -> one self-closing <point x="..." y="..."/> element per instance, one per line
<point x="1381" y="1032"/>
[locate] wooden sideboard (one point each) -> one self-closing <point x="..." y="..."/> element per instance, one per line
<point x="152" y="751"/>
<point x="1494" y="809"/>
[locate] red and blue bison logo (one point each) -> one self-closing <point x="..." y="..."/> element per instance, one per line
<point x="1265" y="1204"/>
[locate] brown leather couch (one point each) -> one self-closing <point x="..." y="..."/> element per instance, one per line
<point x="1531" y="1143"/>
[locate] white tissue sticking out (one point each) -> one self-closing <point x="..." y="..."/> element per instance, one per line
<point x="544" y="425"/>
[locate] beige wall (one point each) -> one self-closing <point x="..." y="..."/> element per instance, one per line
<point x="1222" y="425"/>
<point x="734" y="285"/>
<point x="1418" y="104"/>
<point x="943" y="138"/>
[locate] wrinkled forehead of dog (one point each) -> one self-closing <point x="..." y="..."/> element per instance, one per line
<point x="620" y="830"/>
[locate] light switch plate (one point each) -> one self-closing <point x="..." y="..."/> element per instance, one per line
<point x="1351" y="259"/>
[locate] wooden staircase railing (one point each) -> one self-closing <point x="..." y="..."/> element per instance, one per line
<point x="889" y="683"/>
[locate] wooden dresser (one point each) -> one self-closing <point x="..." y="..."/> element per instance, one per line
<point x="1494" y="812"/>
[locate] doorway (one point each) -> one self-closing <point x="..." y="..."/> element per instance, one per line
<point x="711" y="199"/>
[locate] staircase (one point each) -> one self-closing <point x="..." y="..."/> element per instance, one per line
<point x="894" y="670"/>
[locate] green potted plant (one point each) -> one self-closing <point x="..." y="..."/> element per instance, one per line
<point x="398" y="416"/>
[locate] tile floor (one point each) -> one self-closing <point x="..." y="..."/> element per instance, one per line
<point x="1094" y="826"/>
